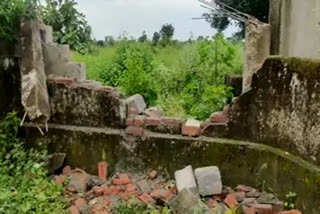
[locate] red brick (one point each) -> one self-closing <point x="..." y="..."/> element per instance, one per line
<point x="211" y="203"/>
<point x="290" y="212"/>
<point x="130" y="188"/>
<point x="112" y="191"/>
<point x="243" y="188"/>
<point x="98" y="191"/>
<point x="263" y="208"/>
<point x="230" y="201"/>
<point x="191" y="131"/>
<point x="74" y="210"/>
<point x="153" y="121"/>
<point x="65" y="81"/>
<point x="145" y="198"/>
<point x="126" y="195"/>
<point x="162" y="194"/>
<point x="104" y="201"/>
<point x="251" y="210"/>
<point x="103" y="170"/>
<point x="153" y="174"/>
<point x="60" y="179"/>
<point x="218" y="117"/>
<point x="66" y="170"/>
<point x="80" y="203"/>
<point x="139" y="121"/>
<point x="135" y="131"/>
<point x="171" y="121"/>
<point x="130" y="121"/>
<point x="122" y="180"/>
<point x="71" y="189"/>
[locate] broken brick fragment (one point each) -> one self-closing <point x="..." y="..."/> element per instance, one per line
<point x="103" y="170"/>
<point x="147" y="199"/>
<point x="98" y="191"/>
<point x="122" y="180"/>
<point x="230" y="201"/>
<point x="191" y="128"/>
<point x="153" y="174"/>
<point x="66" y="170"/>
<point x="74" y="210"/>
<point x="218" y="117"/>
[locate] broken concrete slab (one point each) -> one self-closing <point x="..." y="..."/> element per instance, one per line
<point x="57" y="62"/>
<point x="209" y="180"/>
<point x="188" y="203"/>
<point x="185" y="180"/>
<point x="136" y="103"/>
<point x="34" y="91"/>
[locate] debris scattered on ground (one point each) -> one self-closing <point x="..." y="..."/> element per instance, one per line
<point x="194" y="193"/>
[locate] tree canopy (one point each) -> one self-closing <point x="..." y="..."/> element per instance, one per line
<point x="256" y="8"/>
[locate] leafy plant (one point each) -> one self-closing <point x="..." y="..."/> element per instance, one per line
<point x="233" y="210"/>
<point x="290" y="202"/>
<point x="24" y="186"/>
<point x="69" y="25"/>
<point x="260" y="181"/>
<point x="10" y="14"/>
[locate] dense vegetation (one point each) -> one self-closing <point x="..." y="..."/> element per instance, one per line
<point x="184" y="78"/>
<point x="24" y="185"/>
<point x="70" y="26"/>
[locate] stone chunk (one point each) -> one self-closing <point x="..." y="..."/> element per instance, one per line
<point x="188" y="203"/>
<point x="185" y="180"/>
<point x="154" y="112"/>
<point x="136" y="102"/>
<point x="144" y="186"/>
<point x="209" y="180"/>
<point x="218" y="117"/>
<point x="191" y="128"/>
<point x="78" y="180"/>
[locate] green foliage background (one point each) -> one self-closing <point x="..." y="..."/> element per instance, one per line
<point x="180" y="77"/>
<point x="24" y="186"/>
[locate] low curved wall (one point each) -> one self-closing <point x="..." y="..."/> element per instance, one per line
<point x="239" y="161"/>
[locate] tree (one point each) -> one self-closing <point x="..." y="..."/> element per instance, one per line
<point x="143" y="37"/>
<point x="69" y="25"/>
<point x="109" y="41"/>
<point x="155" y="39"/>
<point x="256" y="8"/>
<point x="167" y="32"/>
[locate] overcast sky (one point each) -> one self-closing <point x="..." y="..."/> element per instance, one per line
<point x="113" y="17"/>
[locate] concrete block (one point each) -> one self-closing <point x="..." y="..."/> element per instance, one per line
<point x="188" y="203"/>
<point x="46" y="33"/>
<point x="209" y="180"/>
<point x="136" y="102"/>
<point x="185" y="180"/>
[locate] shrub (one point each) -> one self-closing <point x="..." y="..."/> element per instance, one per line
<point x="131" y="70"/>
<point x="24" y="186"/>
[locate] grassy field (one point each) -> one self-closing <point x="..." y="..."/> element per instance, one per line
<point x="180" y="77"/>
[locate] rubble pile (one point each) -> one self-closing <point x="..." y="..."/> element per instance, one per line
<point x="192" y="191"/>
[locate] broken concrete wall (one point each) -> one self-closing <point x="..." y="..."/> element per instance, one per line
<point x="257" y="49"/>
<point x="85" y="104"/>
<point x="34" y="93"/>
<point x="295" y="28"/>
<point x="238" y="161"/>
<point x="282" y="109"/>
